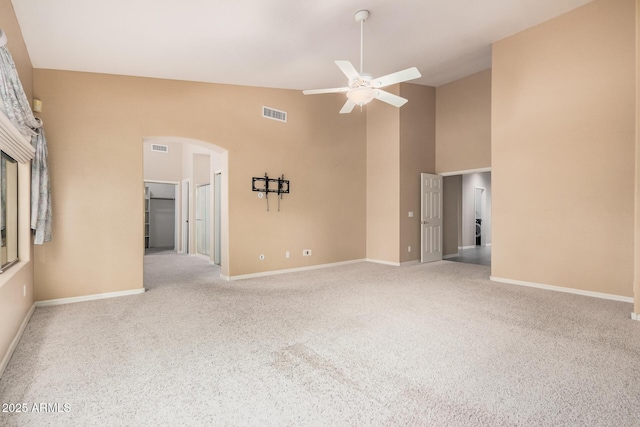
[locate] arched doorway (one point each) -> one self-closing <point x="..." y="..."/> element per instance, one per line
<point x="196" y="168"/>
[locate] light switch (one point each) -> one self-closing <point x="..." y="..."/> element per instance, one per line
<point x="410" y="214"/>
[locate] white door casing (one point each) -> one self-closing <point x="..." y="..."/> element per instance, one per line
<point x="217" y="224"/>
<point x="185" y="216"/>
<point x="431" y="217"/>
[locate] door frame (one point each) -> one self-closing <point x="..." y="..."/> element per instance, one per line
<point x="483" y="216"/>
<point x="217" y="220"/>
<point x="176" y="206"/>
<point x="208" y="204"/>
<point x="427" y="220"/>
<point x="184" y="215"/>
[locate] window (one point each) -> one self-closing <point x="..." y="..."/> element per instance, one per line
<point x="8" y="211"/>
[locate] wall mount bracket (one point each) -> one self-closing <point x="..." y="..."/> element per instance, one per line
<point x="268" y="185"/>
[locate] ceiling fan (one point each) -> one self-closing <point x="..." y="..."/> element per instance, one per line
<point x="362" y="87"/>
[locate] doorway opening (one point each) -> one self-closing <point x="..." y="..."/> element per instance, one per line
<point x="160" y="216"/>
<point x="467" y="217"/>
<point x="203" y="220"/>
<point x="198" y="172"/>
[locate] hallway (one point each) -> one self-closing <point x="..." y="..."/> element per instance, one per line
<point x="480" y="255"/>
<point x="166" y="268"/>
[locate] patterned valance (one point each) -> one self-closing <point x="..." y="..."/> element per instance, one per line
<point x="13" y="142"/>
<point x="22" y="137"/>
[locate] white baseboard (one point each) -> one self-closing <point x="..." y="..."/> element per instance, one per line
<point x="449" y="256"/>
<point x="563" y="289"/>
<point x="288" y="270"/>
<point x="16" y="340"/>
<point x="415" y="261"/>
<point x="377" y="261"/>
<point x="60" y="301"/>
<point x="635" y="316"/>
<point x="466" y="247"/>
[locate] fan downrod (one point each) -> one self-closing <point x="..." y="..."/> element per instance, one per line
<point x="361" y="15"/>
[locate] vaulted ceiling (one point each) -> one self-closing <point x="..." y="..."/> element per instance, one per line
<point x="273" y="43"/>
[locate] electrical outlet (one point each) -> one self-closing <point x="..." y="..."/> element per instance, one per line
<point x="410" y="216"/>
<point x="286" y="254"/>
<point x="306" y="252"/>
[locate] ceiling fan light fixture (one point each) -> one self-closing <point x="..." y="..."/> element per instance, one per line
<point x="362" y="87"/>
<point x="361" y="96"/>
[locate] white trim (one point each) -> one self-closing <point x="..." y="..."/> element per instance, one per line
<point x="16" y="340"/>
<point x="60" y="301"/>
<point x="155" y="181"/>
<point x="465" y="172"/>
<point x="377" y="261"/>
<point x="288" y="270"/>
<point x="466" y="247"/>
<point x="416" y="261"/>
<point x="450" y="256"/>
<point x="563" y="289"/>
<point x="13" y="142"/>
<point x="635" y="316"/>
<point x="202" y="257"/>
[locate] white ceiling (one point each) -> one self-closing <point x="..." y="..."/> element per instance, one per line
<point x="273" y="43"/>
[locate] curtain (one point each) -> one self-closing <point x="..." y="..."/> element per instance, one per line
<point x="15" y="105"/>
<point x="41" y="215"/>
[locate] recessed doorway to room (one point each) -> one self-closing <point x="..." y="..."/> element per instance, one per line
<point x="196" y="225"/>
<point x="467" y="217"/>
<point x="160" y="217"/>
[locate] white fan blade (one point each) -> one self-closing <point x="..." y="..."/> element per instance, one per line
<point x="347" y="107"/>
<point x="348" y="69"/>
<point x="390" y="98"/>
<point x="332" y="90"/>
<point x="397" y="77"/>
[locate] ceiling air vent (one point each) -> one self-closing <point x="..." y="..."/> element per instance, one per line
<point x="160" y="148"/>
<point x="273" y="114"/>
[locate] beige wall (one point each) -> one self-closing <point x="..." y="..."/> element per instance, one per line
<point x="95" y="152"/>
<point x="14" y="305"/>
<point x="563" y="125"/>
<point x="636" y="258"/>
<point x="400" y="146"/>
<point x="463" y="124"/>
<point x="451" y="214"/>
<point x="383" y="180"/>
<point x="417" y="155"/>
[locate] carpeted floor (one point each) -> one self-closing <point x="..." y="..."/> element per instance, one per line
<point x="361" y="344"/>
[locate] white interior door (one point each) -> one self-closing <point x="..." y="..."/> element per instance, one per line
<point x="431" y="218"/>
